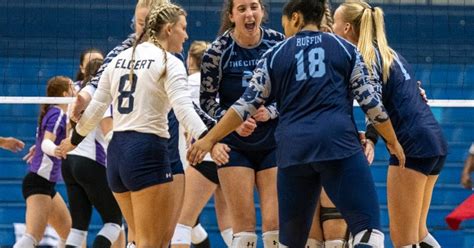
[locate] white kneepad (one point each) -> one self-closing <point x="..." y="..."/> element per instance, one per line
<point x="111" y="231"/>
<point x="372" y="238"/>
<point x="270" y="239"/>
<point x="76" y="237"/>
<point x="182" y="235"/>
<point x="227" y="236"/>
<point x="198" y="234"/>
<point x="313" y="243"/>
<point x="336" y="243"/>
<point x="244" y="239"/>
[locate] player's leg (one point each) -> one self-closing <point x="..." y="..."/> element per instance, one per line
<point x="405" y="193"/>
<point x="315" y="238"/>
<point x="38" y="193"/>
<point x="198" y="190"/>
<point x="238" y="191"/>
<point x="298" y="194"/>
<point x="426" y="239"/>
<point x="224" y="220"/>
<point x="349" y="184"/>
<point x="80" y="207"/>
<point x="124" y="201"/>
<point x="267" y="190"/>
<point x="59" y="217"/>
<point x="153" y="213"/>
<point x="334" y="226"/>
<point x="93" y="180"/>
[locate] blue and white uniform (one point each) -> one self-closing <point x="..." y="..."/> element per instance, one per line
<point x="416" y="128"/>
<point x="173" y="146"/>
<point x="138" y="155"/>
<point x="225" y="73"/>
<point x="314" y="78"/>
<point x="84" y="174"/>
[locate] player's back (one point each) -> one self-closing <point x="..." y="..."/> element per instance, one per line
<point x="415" y="125"/>
<point x="310" y="75"/>
<point x="142" y="104"/>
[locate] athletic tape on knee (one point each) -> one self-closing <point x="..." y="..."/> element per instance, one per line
<point x="429" y="242"/>
<point x="198" y="234"/>
<point x="371" y="238"/>
<point x="26" y="241"/>
<point x="76" y="237"/>
<point x="227" y="236"/>
<point x="336" y="243"/>
<point x="270" y="239"/>
<point x="111" y="231"/>
<point x="182" y="235"/>
<point x="244" y="239"/>
<point x="313" y="243"/>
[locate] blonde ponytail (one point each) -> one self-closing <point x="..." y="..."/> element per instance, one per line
<point x="386" y="52"/>
<point x="369" y="25"/>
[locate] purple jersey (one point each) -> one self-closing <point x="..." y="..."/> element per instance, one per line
<point x="44" y="165"/>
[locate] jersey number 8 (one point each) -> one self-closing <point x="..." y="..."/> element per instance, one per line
<point x="316" y="67"/>
<point x="126" y="90"/>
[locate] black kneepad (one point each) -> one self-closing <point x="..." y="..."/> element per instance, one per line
<point x="101" y="242"/>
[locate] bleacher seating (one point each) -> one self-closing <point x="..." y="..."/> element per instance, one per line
<point x="40" y="39"/>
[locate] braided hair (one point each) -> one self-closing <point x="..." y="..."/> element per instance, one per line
<point x="158" y="17"/>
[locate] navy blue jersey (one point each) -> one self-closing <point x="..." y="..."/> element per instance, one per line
<point x="417" y="129"/>
<point x="226" y="70"/>
<point x="314" y="78"/>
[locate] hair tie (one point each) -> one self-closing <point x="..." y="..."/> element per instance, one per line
<point x="372" y="8"/>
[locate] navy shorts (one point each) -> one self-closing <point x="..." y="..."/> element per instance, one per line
<point x="257" y="160"/>
<point x="177" y="166"/>
<point x="34" y="184"/>
<point x="136" y="161"/>
<point x="431" y="166"/>
<point x="349" y="184"/>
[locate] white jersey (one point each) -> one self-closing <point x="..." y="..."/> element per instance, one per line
<point x="471" y="149"/>
<point x="194" y="86"/>
<point x="142" y="104"/>
<point x="93" y="146"/>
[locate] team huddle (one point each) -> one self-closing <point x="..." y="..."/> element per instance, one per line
<point x="254" y="109"/>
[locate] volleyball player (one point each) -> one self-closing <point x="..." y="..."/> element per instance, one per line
<point x="141" y="10"/>
<point x="86" y="182"/>
<point x="225" y="71"/>
<point x="43" y="204"/>
<point x="317" y="141"/>
<point x="144" y="82"/>
<point x="328" y="229"/>
<point x="409" y="190"/>
<point x="86" y="56"/>
<point x="201" y="180"/>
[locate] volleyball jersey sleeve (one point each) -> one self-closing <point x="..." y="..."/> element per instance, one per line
<point x="53" y="121"/>
<point x="362" y="87"/>
<point x="471" y="149"/>
<point x="208" y="120"/>
<point x="93" y="83"/>
<point x="180" y="98"/>
<point x="257" y="93"/>
<point x="211" y="76"/>
<point x="273" y="111"/>
<point x="101" y="101"/>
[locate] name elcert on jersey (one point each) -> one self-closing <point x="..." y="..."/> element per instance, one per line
<point x="137" y="65"/>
